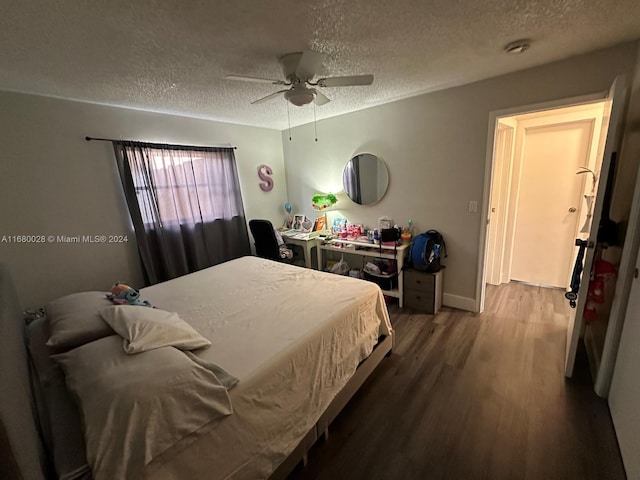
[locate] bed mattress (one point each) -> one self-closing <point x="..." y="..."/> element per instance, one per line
<point x="292" y="336"/>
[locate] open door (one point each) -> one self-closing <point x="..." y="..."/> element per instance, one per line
<point x="500" y="188"/>
<point x="617" y="100"/>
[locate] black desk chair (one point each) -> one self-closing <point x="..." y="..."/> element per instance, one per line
<point x="265" y="240"/>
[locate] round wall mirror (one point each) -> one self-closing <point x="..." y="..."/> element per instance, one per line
<point x="365" y="179"/>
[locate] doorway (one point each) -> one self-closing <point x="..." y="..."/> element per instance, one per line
<point x="543" y="180"/>
<point x="615" y="101"/>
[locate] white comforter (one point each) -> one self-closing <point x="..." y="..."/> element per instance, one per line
<point x="292" y="336"/>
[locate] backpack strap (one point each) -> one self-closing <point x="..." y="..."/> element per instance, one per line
<point x="439" y="239"/>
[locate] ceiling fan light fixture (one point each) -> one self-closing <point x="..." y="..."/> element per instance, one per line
<point x="300" y="96"/>
<point x="519" y="46"/>
<point x="299" y="69"/>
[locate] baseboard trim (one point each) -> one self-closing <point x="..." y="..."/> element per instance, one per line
<point x="461" y="303"/>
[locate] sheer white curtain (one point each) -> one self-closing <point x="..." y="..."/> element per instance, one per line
<point x="185" y="204"/>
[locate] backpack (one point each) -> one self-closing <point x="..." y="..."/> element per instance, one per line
<point x="426" y="251"/>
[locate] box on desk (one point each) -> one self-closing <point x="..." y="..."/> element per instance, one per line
<point x="384" y="281"/>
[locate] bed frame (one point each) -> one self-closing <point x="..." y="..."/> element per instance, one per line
<point x="21" y="451"/>
<point x="22" y="455"/>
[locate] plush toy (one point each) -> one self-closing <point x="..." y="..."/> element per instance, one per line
<point x="119" y="287"/>
<point x="123" y="294"/>
<point x="320" y="202"/>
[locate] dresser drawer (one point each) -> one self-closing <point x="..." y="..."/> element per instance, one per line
<point x="423" y="290"/>
<point x="419" y="301"/>
<point x="422" y="281"/>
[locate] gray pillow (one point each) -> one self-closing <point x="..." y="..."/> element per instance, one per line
<point x="75" y="319"/>
<point x="145" y="328"/>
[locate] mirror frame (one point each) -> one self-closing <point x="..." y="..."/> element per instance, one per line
<point x="379" y="162"/>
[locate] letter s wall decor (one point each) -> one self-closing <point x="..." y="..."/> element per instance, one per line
<point x="267" y="182"/>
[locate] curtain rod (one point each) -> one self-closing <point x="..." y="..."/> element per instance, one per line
<point x="88" y="139"/>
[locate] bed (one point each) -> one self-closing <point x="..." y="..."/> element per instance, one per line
<point x="300" y="342"/>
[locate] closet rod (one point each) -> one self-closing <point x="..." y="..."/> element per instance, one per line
<point x="88" y="139"/>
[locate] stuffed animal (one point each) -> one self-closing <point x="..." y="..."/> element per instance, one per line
<point x="119" y="287"/>
<point x="123" y="294"/>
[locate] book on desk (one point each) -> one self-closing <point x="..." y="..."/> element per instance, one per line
<point x="298" y="235"/>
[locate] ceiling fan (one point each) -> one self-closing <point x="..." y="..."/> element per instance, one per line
<point x="299" y="69"/>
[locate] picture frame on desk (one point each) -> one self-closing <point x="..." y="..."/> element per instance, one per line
<point x="321" y="223"/>
<point x="298" y="220"/>
<point x="306" y="226"/>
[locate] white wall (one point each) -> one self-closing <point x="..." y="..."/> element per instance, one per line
<point x="630" y="152"/>
<point x="624" y="397"/>
<point x="53" y="182"/>
<point x="435" y="148"/>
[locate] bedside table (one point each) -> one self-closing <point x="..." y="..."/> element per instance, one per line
<point x="423" y="290"/>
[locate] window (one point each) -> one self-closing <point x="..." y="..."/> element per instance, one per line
<point x="181" y="186"/>
<point x="185" y="206"/>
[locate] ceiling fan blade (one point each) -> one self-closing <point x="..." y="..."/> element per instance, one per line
<point x="268" y="97"/>
<point x="321" y="99"/>
<point x="255" y="79"/>
<point x="310" y="63"/>
<point x="352" y="81"/>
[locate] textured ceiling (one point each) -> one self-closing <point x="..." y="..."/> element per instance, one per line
<point x="171" y="55"/>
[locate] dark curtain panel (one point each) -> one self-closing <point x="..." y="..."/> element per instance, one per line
<point x="185" y="204"/>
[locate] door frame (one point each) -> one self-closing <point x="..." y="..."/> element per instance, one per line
<point x="501" y="189"/>
<point x="488" y="172"/>
<point x="592" y="117"/>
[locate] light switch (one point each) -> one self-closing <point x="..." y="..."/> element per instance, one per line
<point x="473" y="206"/>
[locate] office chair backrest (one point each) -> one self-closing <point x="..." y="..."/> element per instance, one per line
<point x="264" y="239"/>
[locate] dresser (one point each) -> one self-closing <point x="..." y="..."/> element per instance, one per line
<point x="423" y="290"/>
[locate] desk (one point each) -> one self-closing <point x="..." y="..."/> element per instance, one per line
<point x="370" y="250"/>
<point x="307" y="244"/>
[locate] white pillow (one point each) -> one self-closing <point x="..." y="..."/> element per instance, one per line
<point x="146" y="328"/>
<point x="142" y="403"/>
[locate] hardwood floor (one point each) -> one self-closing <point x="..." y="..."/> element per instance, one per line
<point x="467" y="396"/>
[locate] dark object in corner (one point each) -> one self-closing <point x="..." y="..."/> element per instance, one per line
<point x="608" y="231"/>
<point x="576" y="276"/>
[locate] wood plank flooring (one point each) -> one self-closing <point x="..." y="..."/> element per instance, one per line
<point x="467" y="396"/>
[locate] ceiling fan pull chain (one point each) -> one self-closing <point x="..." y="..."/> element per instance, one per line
<point x="315" y="123"/>
<point x="288" y="119"/>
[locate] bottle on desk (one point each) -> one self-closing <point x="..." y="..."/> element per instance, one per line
<point x="407" y="233"/>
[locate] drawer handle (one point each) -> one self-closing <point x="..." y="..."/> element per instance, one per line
<point x="418" y="297"/>
<point x="418" y="281"/>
